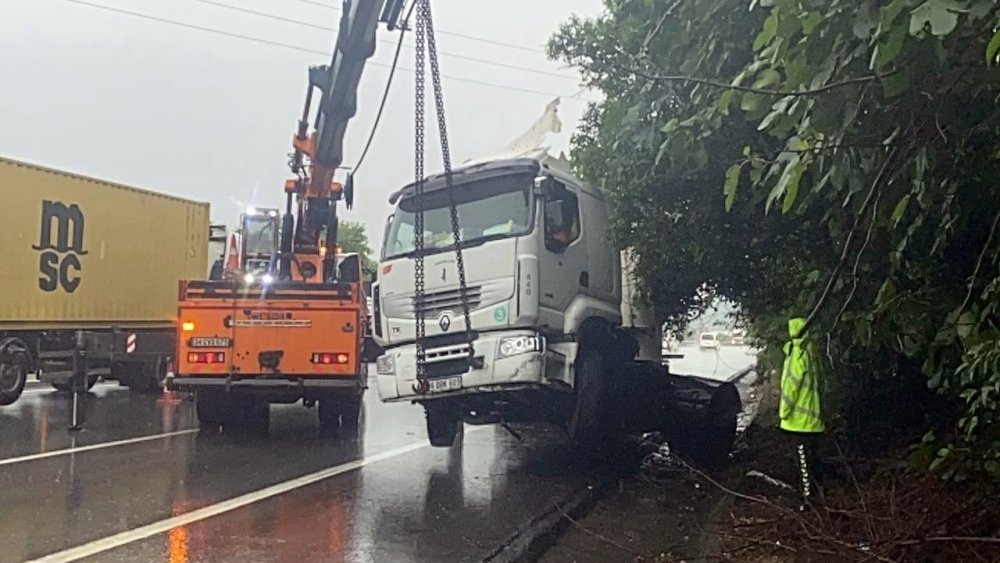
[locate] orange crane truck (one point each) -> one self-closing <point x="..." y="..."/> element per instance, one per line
<point x="295" y="329"/>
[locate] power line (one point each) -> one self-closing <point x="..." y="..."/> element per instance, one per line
<point x="308" y="50"/>
<point x="442" y="32"/>
<point x="386" y="41"/>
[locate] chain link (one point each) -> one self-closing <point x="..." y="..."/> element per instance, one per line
<point x="456" y="231"/>
<point x="418" y="200"/>
<point x="425" y="42"/>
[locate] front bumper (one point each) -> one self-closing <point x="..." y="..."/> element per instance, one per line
<point x="489" y="373"/>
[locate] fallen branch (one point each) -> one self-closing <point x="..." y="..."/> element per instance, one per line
<point x="601" y="537"/>
<point x="948" y="539"/>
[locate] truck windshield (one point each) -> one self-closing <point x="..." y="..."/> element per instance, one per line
<point x="487" y="209"/>
<point x="259" y="235"/>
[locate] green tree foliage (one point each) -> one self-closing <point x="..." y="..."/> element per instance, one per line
<point x="352" y="237"/>
<point x="836" y="159"/>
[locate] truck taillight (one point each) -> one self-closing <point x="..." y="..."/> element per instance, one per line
<point x="206" y="357"/>
<point x="329" y="358"/>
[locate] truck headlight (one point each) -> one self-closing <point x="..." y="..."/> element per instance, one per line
<point x="385" y="365"/>
<point x="514" y="345"/>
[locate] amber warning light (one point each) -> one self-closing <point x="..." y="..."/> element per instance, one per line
<point x="188" y="326"/>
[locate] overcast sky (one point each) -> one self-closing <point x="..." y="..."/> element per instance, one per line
<point x="210" y="117"/>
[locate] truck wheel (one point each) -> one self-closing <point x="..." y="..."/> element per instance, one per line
<point x="586" y="424"/>
<point x="246" y="415"/>
<point x="719" y="435"/>
<point x="13" y="376"/>
<point x="350" y="415"/>
<point x="210" y="406"/>
<point x="146" y="378"/>
<point x="330" y="409"/>
<point x="442" y="425"/>
<point x="66" y="386"/>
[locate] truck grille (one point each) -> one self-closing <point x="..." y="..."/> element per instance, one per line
<point x="438" y="302"/>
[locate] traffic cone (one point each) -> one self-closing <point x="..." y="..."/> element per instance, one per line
<point x="233" y="258"/>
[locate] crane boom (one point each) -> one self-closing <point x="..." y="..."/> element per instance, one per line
<point x="320" y="152"/>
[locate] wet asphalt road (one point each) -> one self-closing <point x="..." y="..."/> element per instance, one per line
<point x="141" y="483"/>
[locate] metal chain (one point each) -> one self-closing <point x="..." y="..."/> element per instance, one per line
<point x="424" y="13"/>
<point x="418" y="220"/>
<point x="426" y="45"/>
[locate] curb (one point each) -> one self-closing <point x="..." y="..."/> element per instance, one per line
<point x="532" y="541"/>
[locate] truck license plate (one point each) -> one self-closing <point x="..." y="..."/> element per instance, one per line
<point x="445" y="384"/>
<point x="210" y="342"/>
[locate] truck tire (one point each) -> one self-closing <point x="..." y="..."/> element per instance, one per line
<point x="586" y="423"/>
<point x="66" y="386"/>
<point x="210" y="408"/>
<point x="350" y="415"/>
<point x="330" y="408"/>
<point x="719" y="434"/>
<point x="246" y="415"/>
<point x="442" y="424"/>
<point x="146" y="378"/>
<point x="13" y="374"/>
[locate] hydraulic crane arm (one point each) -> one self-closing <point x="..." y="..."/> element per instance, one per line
<point x="318" y="153"/>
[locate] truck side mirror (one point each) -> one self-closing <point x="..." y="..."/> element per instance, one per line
<point x="349" y="192"/>
<point x="385" y="235"/>
<point x="545" y="185"/>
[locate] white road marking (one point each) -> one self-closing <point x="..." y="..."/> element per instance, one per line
<point x="102" y="445"/>
<point x="143" y="532"/>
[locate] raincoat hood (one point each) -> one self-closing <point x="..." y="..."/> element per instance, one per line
<point x="795" y="326"/>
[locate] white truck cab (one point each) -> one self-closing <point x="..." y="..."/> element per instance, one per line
<point x="541" y="277"/>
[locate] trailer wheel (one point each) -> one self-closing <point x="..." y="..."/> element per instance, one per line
<point x="66" y="386"/>
<point x="442" y="424"/>
<point x="13" y="375"/>
<point x="146" y="378"/>
<point x="586" y="424"/>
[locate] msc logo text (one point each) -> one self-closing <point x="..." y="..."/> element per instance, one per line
<point x="59" y="256"/>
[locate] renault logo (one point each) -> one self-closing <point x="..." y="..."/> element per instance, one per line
<point x="444" y="322"/>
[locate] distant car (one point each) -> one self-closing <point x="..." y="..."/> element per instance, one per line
<point x="708" y="340"/>
<point x="739" y="338"/>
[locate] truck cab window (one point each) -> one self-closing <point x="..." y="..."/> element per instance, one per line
<point x="562" y="219"/>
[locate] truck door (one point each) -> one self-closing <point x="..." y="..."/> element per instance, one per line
<point x="563" y="257"/>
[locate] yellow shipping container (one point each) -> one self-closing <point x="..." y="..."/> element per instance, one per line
<point x="84" y="253"/>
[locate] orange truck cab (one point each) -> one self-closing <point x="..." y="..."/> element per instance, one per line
<point x="249" y="341"/>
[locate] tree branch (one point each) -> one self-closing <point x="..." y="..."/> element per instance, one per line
<point x="847" y="244"/>
<point x="857" y="263"/>
<point x="979" y="264"/>
<point x="762" y="91"/>
<point x="949" y="539"/>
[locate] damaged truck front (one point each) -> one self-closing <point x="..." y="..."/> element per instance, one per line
<point x="545" y="339"/>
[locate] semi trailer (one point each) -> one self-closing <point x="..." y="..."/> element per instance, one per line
<point x="90" y="278"/>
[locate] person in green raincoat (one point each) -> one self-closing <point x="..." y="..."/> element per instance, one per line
<point x="801" y="408"/>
